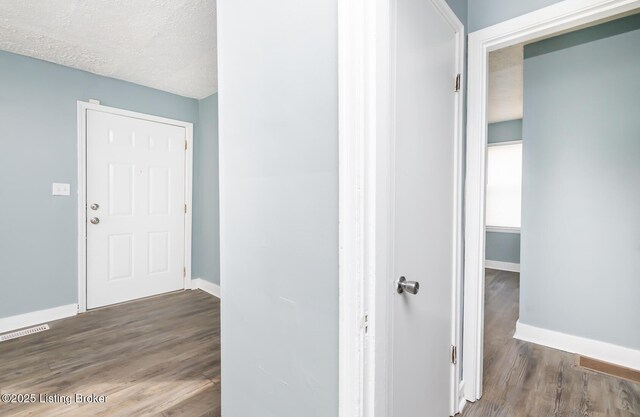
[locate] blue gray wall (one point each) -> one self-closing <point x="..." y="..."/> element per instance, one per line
<point x="506" y="131"/>
<point x="278" y="71"/>
<point x="206" y="218"/>
<point x="460" y="8"/>
<point x="489" y="12"/>
<point x="38" y="232"/>
<point x="503" y="246"/>
<point x="580" y="268"/>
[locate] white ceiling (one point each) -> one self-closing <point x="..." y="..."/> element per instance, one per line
<point x="505" y="84"/>
<point x="165" y="44"/>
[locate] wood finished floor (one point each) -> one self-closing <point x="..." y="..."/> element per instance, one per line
<point x="526" y="380"/>
<point x="154" y="357"/>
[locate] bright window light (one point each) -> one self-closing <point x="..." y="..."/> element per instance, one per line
<point x="504" y="184"/>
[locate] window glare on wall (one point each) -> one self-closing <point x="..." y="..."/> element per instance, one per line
<point x="504" y="184"/>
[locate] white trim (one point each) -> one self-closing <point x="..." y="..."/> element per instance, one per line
<point x="365" y="74"/>
<point x="206" y="286"/>
<point x="82" y="207"/>
<point x="458" y="239"/>
<point x="547" y="21"/>
<point x="354" y="78"/>
<point x="34" y="318"/>
<point x="502" y="229"/>
<point x="188" y="200"/>
<point x="606" y="352"/>
<point x="462" y="402"/>
<point x="502" y="266"/>
<point x="379" y="210"/>
<point x="82" y="195"/>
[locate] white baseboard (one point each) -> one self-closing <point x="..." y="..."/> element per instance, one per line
<point x="606" y="352"/>
<point x="37" y="317"/>
<point x="462" y="401"/>
<point x="206" y="286"/>
<point x="462" y="404"/>
<point x="502" y="266"/>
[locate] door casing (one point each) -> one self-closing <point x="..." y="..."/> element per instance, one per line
<point x="365" y="100"/>
<point x="542" y="23"/>
<point x="82" y="194"/>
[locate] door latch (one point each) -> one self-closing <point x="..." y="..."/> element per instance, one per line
<point x="412" y="287"/>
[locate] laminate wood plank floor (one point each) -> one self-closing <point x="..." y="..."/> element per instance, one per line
<point x="158" y="356"/>
<point x="523" y="379"/>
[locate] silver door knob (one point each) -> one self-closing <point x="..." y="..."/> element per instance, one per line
<point x="411" y="287"/>
<point x="94" y="220"/>
<point x="95" y="206"/>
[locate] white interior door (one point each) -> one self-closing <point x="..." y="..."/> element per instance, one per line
<point x="424" y="209"/>
<point x="135" y="208"/>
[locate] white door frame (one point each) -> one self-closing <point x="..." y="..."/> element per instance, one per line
<point x="82" y="188"/>
<point x="365" y="96"/>
<point x="541" y="23"/>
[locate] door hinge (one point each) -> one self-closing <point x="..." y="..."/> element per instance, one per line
<point x="365" y="324"/>
<point x="184" y="272"/>
<point x="185" y="208"/>
<point x="454" y="354"/>
<point x="457" y="83"/>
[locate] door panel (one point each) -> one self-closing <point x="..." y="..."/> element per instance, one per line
<point x="136" y="176"/>
<point x="424" y="211"/>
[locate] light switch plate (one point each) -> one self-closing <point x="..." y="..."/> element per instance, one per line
<point x="61" y="189"/>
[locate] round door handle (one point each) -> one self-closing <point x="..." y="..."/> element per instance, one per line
<point x="412" y="287"/>
<point x="94" y="220"/>
<point x="95" y="206"/>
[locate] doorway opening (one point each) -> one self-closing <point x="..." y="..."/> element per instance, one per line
<point x="503" y="215"/>
<point x="542" y="237"/>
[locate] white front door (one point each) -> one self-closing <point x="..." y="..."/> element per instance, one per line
<point x="424" y="210"/>
<point x="135" y="208"/>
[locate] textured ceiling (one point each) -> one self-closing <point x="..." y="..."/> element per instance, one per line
<point x="505" y="84"/>
<point x="165" y="44"/>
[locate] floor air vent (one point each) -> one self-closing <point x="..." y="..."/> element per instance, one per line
<point x="24" y="332"/>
